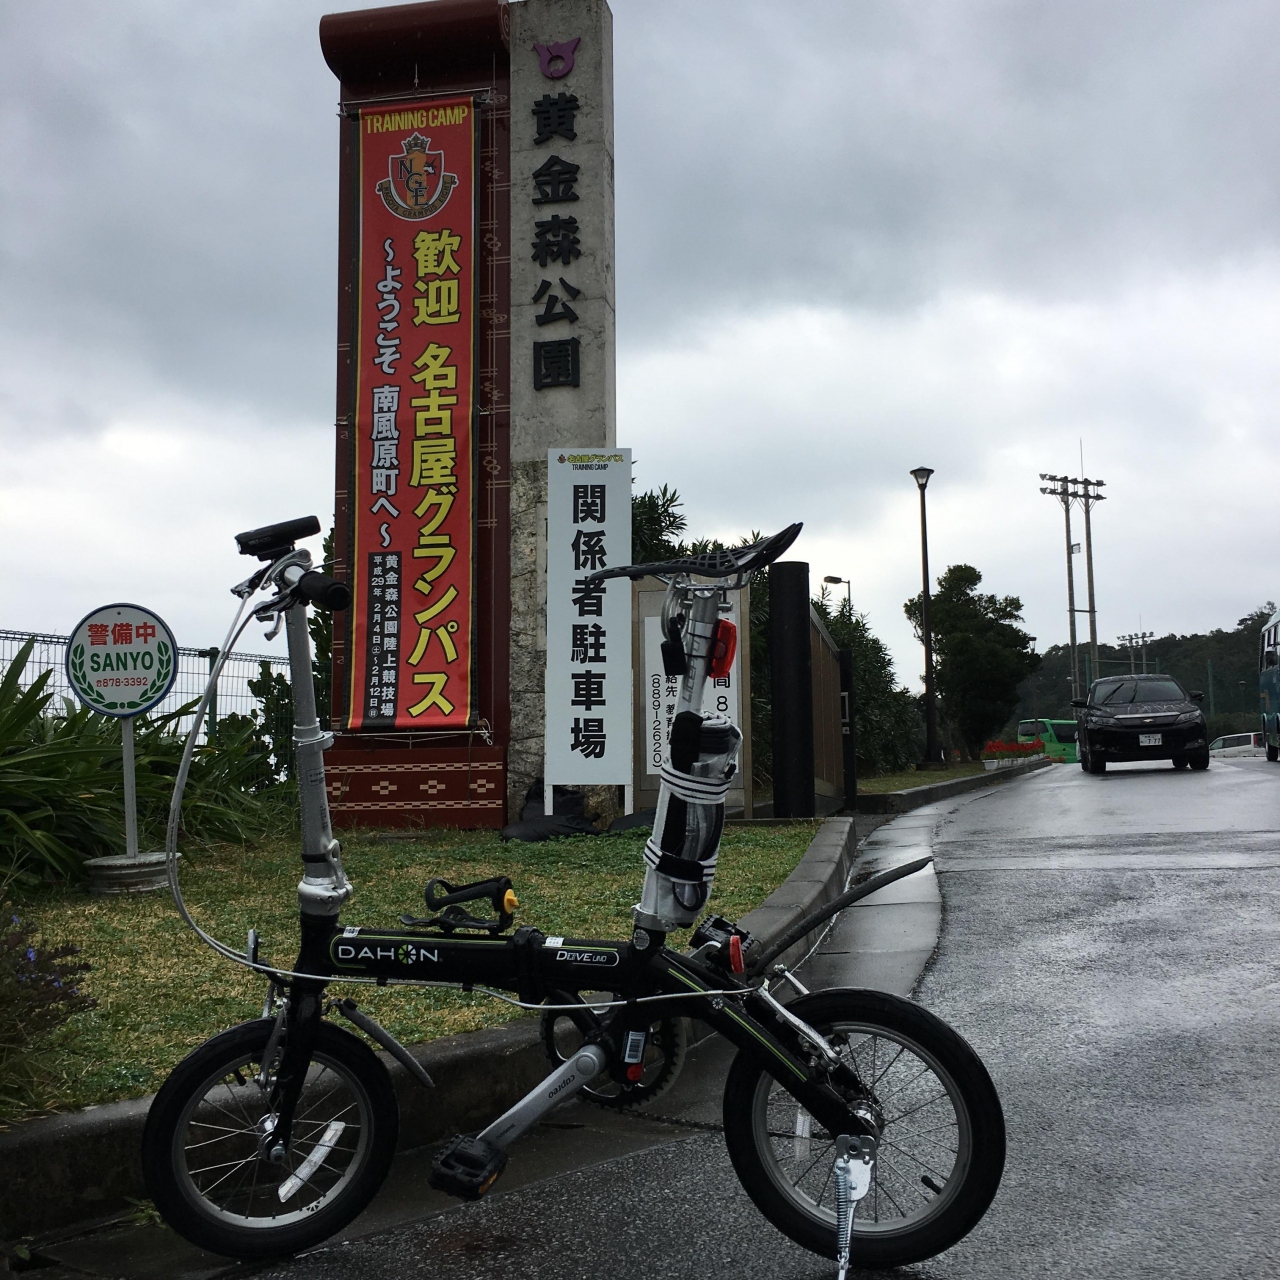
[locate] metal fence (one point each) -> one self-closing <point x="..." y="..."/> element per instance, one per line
<point x="233" y="697"/>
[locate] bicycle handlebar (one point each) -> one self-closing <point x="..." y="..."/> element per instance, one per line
<point x="732" y="562"/>
<point x="323" y="590"/>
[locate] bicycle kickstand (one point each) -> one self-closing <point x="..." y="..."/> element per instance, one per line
<point x="854" y="1168"/>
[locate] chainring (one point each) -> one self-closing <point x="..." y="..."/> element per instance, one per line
<point x="563" y="1032"/>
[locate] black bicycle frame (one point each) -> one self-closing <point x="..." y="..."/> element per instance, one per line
<point x="538" y="968"/>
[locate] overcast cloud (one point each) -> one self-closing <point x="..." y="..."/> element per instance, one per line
<point x="851" y="239"/>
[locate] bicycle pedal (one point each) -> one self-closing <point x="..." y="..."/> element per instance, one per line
<point x="467" y="1167"/>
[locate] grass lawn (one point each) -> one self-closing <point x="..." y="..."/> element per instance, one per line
<point x="161" y="992"/>
<point x="920" y="778"/>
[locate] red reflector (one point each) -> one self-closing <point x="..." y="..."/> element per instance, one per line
<point x="723" y="647"/>
<point x="635" y="1071"/>
<point x="735" y="954"/>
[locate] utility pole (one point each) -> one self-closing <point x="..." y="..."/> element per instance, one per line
<point x="1035" y="702"/>
<point x="1143" y="637"/>
<point x="1208" y="665"/>
<point x="1069" y="489"/>
<point x="1086" y="493"/>
<point x="1065" y="496"/>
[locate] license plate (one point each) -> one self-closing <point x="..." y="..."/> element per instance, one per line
<point x="1150" y="739"/>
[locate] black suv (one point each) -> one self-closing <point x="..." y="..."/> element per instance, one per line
<point x="1141" y="718"/>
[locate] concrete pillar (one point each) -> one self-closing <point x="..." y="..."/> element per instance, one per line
<point x="791" y="677"/>
<point x="546" y="63"/>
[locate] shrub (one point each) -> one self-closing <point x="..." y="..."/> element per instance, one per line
<point x="38" y="993"/>
<point x="61" y="784"/>
<point x="997" y="750"/>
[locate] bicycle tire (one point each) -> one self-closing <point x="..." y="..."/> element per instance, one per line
<point x="213" y="1104"/>
<point x="769" y="1135"/>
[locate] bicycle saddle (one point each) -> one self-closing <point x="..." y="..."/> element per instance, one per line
<point x="711" y="564"/>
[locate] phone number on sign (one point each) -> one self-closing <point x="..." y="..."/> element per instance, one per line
<point x="120" y="682"/>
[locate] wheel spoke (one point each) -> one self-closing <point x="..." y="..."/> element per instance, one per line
<point x="927" y="1102"/>
<point x="895" y="1088"/>
<point x="902" y="1048"/>
<point x="226" y="1137"/>
<point x="942" y="1177"/>
<point x="889" y="1194"/>
<point x="237" y="1100"/>
<point x="236" y="1164"/>
<point x="951" y="1151"/>
<point x="795" y="1182"/>
<point x="209" y="1102"/>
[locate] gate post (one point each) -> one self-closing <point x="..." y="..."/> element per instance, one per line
<point x="791" y="676"/>
<point x="849" y="730"/>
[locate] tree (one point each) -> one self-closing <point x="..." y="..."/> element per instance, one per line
<point x="980" y="656"/>
<point x="887" y="721"/>
<point x="656" y="523"/>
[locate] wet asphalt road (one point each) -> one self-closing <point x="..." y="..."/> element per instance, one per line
<point x="1109" y="946"/>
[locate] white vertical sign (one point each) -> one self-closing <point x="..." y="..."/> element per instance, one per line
<point x="661" y="691"/>
<point x="588" y="692"/>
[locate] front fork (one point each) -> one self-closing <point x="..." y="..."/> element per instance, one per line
<point x="784" y="1045"/>
<point x="301" y="1030"/>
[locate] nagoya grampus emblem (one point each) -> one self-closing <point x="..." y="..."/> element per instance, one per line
<point x="418" y="185"/>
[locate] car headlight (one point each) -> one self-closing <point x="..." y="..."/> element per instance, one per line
<point x="1189" y="717"/>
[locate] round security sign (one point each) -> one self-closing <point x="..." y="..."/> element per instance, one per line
<point x="121" y="660"/>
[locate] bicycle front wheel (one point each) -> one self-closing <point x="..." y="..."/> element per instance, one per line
<point x="942" y="1142"/>
<point x="203" y="1150"/>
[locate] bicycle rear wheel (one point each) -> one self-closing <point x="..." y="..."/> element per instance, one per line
<point x="942" y="1141"/>
<point x="201" y="1150"/>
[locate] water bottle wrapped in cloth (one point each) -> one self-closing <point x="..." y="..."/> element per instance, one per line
<point x="681" y="854"/>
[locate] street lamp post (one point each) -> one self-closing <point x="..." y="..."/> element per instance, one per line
<point x="921" y="476"/>
<point x="848" y="589"/>
<point x="1129" y="643"/>
<point x="1135" y="643"/>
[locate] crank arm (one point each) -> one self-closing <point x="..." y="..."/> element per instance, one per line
<point x="568" y="1079"/>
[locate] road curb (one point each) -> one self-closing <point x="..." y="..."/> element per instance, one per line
<point x="85" y="1164"/>
<point x="917" y="797"/>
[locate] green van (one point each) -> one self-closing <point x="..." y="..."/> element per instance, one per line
<point x="1058" y="736"/>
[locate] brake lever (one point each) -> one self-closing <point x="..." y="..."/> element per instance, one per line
<point x="246" y="588"/>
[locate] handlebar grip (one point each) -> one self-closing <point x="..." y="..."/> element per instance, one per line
<point x="323" y="590"/>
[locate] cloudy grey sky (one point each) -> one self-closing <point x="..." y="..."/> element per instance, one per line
<point x="852" y="238"/>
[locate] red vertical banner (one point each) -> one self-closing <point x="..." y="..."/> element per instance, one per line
<point x="412" y="499"/>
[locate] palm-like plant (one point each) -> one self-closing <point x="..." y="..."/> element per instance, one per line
<point x="61" y="787"/>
